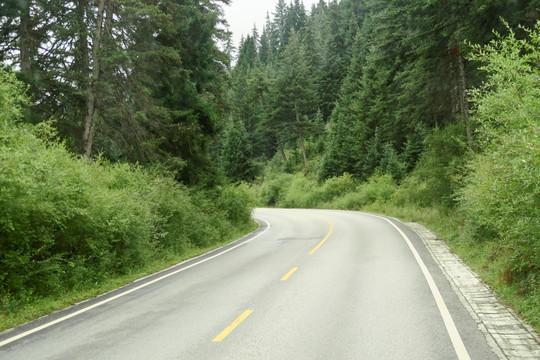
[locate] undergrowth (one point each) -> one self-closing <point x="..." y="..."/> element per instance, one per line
<point x="70" y="227"/>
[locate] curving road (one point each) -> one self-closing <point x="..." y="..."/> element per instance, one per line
<point x="309" y="284"/>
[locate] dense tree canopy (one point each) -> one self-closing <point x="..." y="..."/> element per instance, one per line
<point x="383" y="74"/>
<point x="147" y="82"/>
<point x="132" y="80"/>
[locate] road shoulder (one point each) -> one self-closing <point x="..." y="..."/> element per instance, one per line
<point x="508" y="336"/>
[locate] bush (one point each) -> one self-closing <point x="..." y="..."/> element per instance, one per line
<point x="413" y="191"/>
<point x="299" y="192"/>
<point x="440" y="169"/>
<point x="502" y="192"/>
<point x="378" y="189"/>
<point x="343" y="192"/>
<point x="336" y="187"/>
<point x="271" y="190"/>
<point x="67" y="223"/>
<point x="236" y="202"/>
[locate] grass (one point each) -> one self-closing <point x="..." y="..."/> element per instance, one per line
<point x="42" y="306"/>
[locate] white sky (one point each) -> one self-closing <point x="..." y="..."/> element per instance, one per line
<point x="242" y="14"/>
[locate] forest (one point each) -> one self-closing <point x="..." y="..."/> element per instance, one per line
<point x="127" y="124"/>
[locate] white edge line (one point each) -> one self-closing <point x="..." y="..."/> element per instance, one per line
<point x="54" y="322"/>
<point x="457" y="342"/>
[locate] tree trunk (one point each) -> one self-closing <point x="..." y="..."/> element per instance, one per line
<point x="25" y="39"/>
<point x="455" y="82"/>
<point x="108" y="18"/>
<point x="464" y="103"/>
<point x="460" y="104"/>
<point x="91" y="102"/>
<point x="300" y="134"/>
<point x="82" y="42"/>
<point x="81" y="63"/>
<point x="26" y="51"/>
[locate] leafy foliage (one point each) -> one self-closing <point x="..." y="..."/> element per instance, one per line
<point x="237" y="154"/>
<point x="66" y="223"/>
<point x="502" y="192"/>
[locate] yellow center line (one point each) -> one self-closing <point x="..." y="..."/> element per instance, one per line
<point x="233" y="326"/>
<point x="287" y="275"/>
<point x="325" y="238"/>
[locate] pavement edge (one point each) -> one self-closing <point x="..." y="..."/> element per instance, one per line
<point x="508" y="335"/>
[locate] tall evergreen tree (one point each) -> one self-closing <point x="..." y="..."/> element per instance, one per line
<point x="280" y="31"/>
<point x="237" y="154"/>
<point x="294" y="94"/>
<point x="265" y="50"/>
<point x="296" y="18"/>
<point x="335" y="57"/>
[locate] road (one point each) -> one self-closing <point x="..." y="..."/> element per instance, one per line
<point x="309" y="284"/>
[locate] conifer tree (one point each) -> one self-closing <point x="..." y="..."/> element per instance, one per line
<point x="237" y="154"/>
<point x="265" y="50"/>
<point x="280" y="32"/>
<point x="293" y="94"/>
<point x="296" y="18"/>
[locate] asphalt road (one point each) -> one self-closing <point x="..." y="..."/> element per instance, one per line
<point x="308" y="284"/>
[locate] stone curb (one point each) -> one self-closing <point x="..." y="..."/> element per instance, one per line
<point x="508" y="336"/>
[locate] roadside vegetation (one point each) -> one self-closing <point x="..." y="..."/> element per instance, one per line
<point x="69" y="226"/>
<point x="108" y="118"/>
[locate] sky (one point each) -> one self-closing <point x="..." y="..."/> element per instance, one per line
<point x="242" y="14"/>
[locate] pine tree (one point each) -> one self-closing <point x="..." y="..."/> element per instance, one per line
<point x="237" y="154"/>
<point x="296" y="18"/>
<point x="335" y="58"/>
<point x="280" y="31"/>
<point x="265" y="51"/>
<point x="293" y="94"/>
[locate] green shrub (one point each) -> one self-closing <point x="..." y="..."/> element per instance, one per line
<point x="12" y="102"/>
<point x="413" y="191"/>
<point x="379" y="188"/>
<point x="336" y="187"/>
<point x="440" y="168"/>
<point x="502" y="192"/>
<point x="298" y="193"/>
<point x="236" y="202"/>
<point x="343" y="192"/>
<point x="272" y="189"/>
<point x="68" y="224"/>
